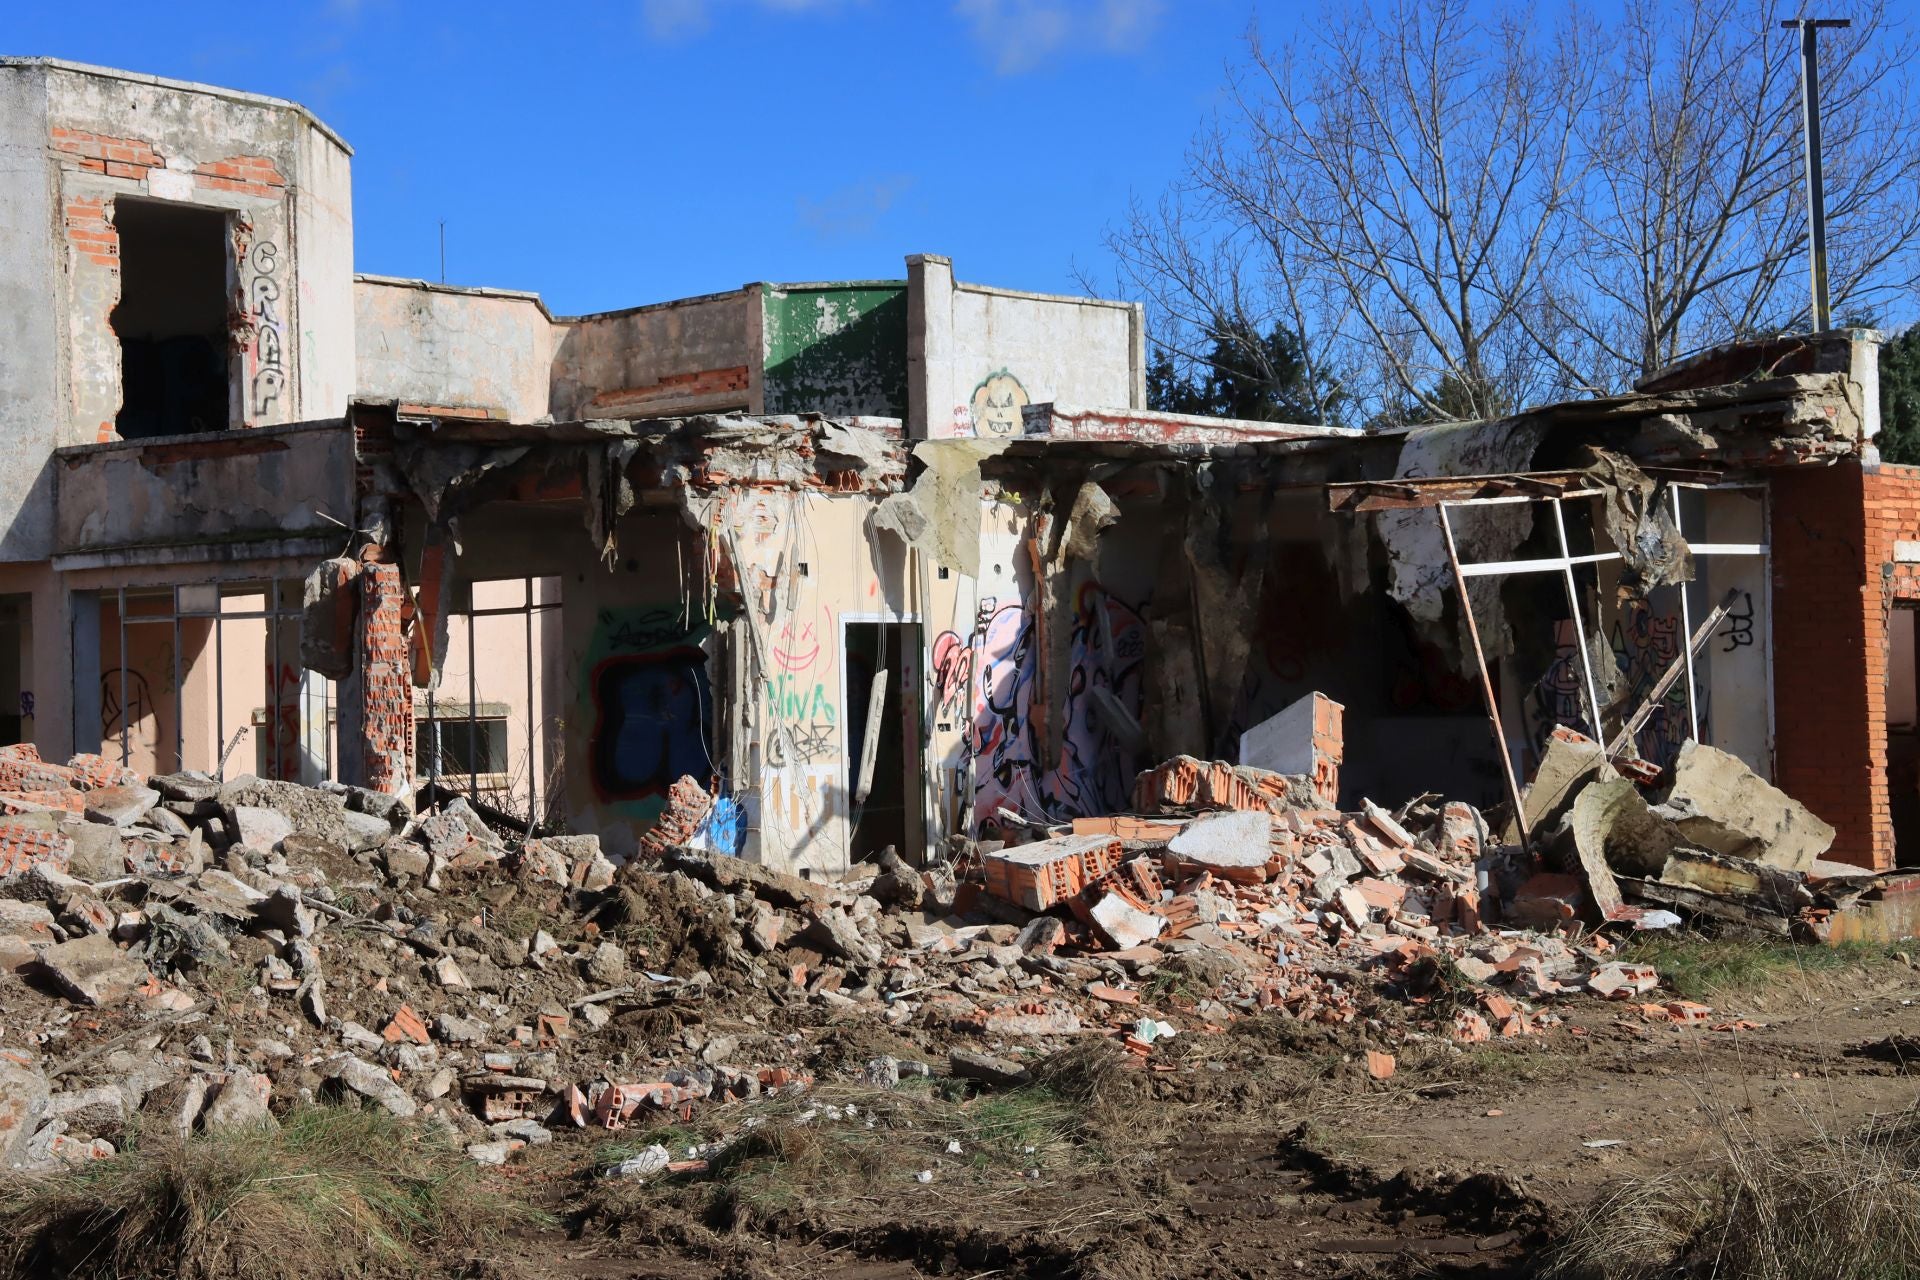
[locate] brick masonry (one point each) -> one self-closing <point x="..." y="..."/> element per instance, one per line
<point x="1834" y="583"/>
<point x="385" y="687"/>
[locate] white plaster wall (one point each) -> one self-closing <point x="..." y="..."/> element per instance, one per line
<point x="472" y="349"/>
<point x="323" y="235"/>
<point x="1009" y="350"/>
<point x="29" y="307"/>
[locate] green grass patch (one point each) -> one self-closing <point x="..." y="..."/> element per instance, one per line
<point x="333" y="1192"/>
<point x="1703" y="967"/>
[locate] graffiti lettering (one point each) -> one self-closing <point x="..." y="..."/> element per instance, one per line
<point x="794" y="700"/>
<point x="1740" y="628"/>
<point x="1645" y="644"/>
<point x="269" y="326"/>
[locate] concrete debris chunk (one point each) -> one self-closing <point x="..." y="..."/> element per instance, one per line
<point x="120" y="806"/>
<point x="240" y="1102"/>
<point x="1237" y="845"/>
<point x="1718" y="803"/>
<point x="92" y="970"/>
<point x="371" y="1083"/>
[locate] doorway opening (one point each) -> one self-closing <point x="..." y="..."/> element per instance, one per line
<point x="175" y="359"/>
<point x="16" y="675"/>
<point x="1903" y="732"/>
<point x="889" y="812"/>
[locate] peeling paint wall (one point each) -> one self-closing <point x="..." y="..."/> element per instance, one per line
<point x="30" y="421"/>
<point x="696" y="355"/>
<point x="77" y="142"/>
<point x="453" y="348"/>
<point x="270" y="485"/>
<point x="836" y="349"/>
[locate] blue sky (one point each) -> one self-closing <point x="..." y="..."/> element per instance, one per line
<point x="611" y="154"/>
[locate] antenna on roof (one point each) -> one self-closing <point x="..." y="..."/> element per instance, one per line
<point x="1809" y="29"/>
<point x="443" y="251"/>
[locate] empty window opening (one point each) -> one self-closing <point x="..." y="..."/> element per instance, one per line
<point x="175" y="366"/>
<point x="455" y="746"/>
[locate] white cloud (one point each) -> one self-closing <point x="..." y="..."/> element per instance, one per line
<point x="853" y="210"/>
<point x="672" y="20"/>
<point x="1022" y="35"/>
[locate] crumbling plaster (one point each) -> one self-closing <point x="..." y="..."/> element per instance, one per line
<point x="483" y="349"/>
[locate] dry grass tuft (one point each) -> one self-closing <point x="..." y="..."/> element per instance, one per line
<point x="333" y="1192"/>
<point x="1845" y="1205"/>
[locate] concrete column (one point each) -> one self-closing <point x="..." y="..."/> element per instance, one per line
<point x="931" y="394"/>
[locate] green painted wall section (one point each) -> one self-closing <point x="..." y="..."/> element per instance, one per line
<point x="837" y="349"/>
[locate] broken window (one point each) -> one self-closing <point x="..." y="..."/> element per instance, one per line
<point x="175" y="357"/>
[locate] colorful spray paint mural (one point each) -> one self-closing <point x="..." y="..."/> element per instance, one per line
<point x="1646" y="641"/>
<point x="994" y="674"/>
<point x="651" y="707"/>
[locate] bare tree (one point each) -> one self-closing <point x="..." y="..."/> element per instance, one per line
<point x="1393" y="187"/>
<point x="1692" y="226"/>
<point x="1460" y="215"/>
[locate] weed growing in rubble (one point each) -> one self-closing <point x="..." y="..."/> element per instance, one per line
<point x="1700" y="967"/>
<point x="332" y="1192"/>
<point x="1843" y="1205"/>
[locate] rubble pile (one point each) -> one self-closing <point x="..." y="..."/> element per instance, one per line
<point x="1709" y="838"/>
<point x="189" y="953"/>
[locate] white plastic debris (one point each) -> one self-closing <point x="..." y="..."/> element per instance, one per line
<point x="925" y="1175"/>
<point x="1604" y="1142"/>
<point x="953" y="1146"/>
<point x="649" y="1162"/>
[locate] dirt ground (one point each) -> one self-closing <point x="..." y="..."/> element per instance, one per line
<point x="1268" y="1151"/>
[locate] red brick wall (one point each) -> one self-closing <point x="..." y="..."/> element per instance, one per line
<point x="1828" y="752"/>
<point x="386" y="687"/>
<point x="1834" y="580"/>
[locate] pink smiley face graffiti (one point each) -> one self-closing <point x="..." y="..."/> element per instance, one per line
<point x="797" y="645"/>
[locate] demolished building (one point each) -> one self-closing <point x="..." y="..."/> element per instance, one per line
<point x="873" y="563"/>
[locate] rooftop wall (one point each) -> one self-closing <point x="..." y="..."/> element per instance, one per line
<point x="473" y="349"/>
<point x="696" y="355"/>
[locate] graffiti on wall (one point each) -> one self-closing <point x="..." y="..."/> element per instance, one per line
<point x="1645" y="643"/>
<point x="651" y="705"/>
<point x="117" y="715"/>
<point x="1559" y="696"/>
<point x="283" y="749"/>
<point x="1740" y="624"/>
<point x="998" y="677"/>
<point x="996" y="406"/>
<point x="269" y="380"/>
